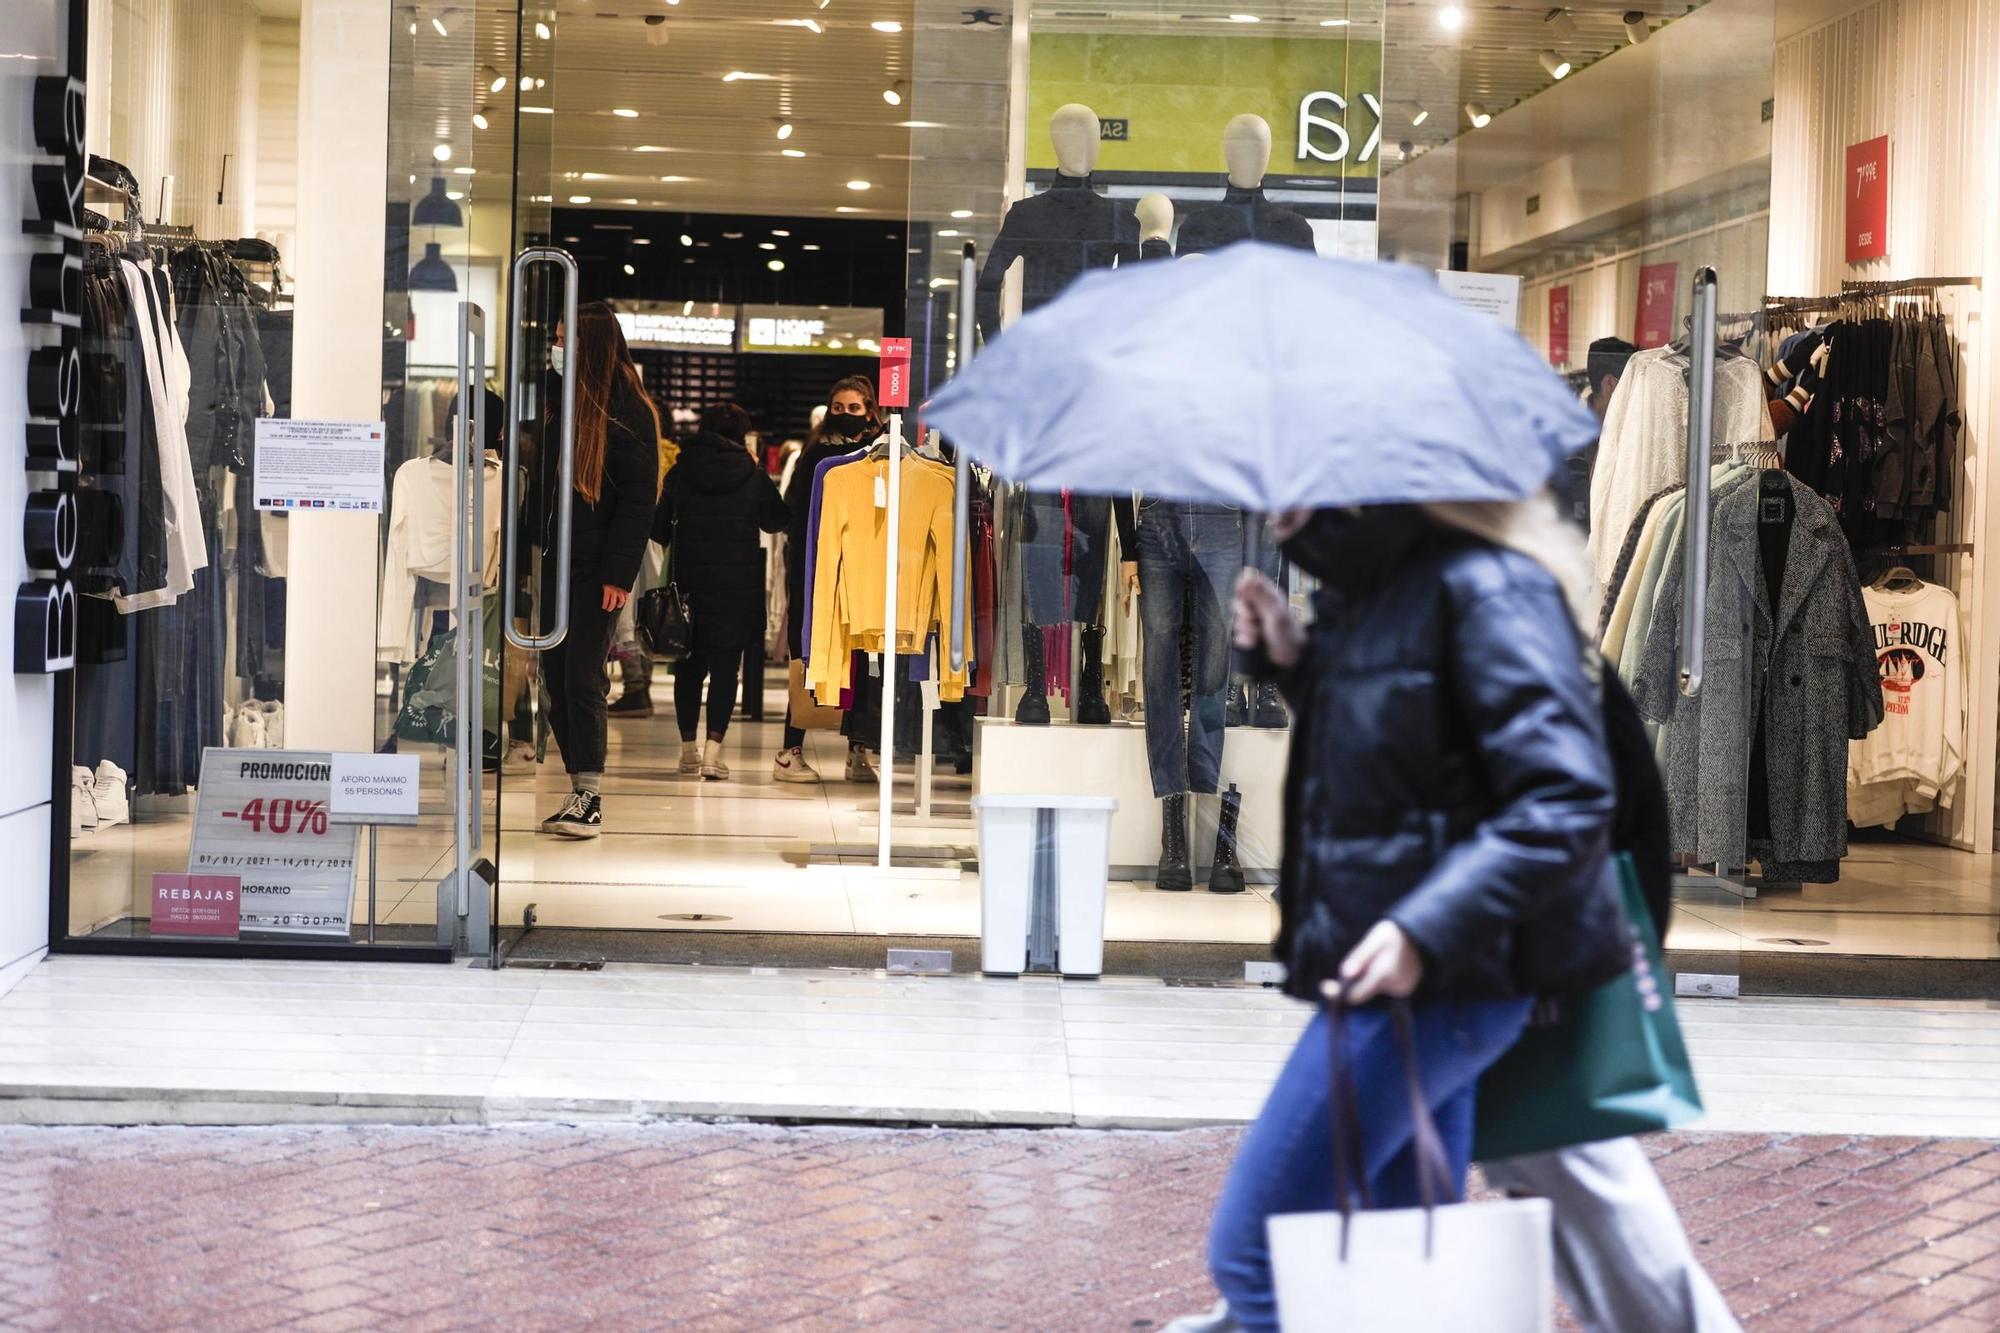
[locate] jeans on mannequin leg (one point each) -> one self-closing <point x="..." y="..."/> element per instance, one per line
<point x="1188" y="559"/>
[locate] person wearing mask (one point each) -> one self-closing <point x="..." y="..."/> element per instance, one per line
<point x="611" y="506"/>
<point x="852" y="420"/>
<point x="1447" y="811"/>
<point x="717" y="500"/>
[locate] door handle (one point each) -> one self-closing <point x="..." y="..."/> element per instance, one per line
<point x="961" y="498"/>
<point x="1700" y="447"/>
<point x="566" y="472"/>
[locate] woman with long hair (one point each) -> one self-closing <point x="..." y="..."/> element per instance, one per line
<point x="852" y="419"/>
<point x="1447" y="815"/>
<point x="612" y="501"/>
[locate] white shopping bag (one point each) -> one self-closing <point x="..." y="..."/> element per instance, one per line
<point x="1447" y="1267"/>
<point x="1489" y="1269"/>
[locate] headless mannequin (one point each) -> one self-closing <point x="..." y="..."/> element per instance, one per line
<point x="1244" y="214"/>
<point x="1057" y="235"/>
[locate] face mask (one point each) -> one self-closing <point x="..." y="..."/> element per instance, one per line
<point x="845" y="426"/>
<point x="556" y="359"/>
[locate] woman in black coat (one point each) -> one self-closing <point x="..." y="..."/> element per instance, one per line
<point x="616" y="485"/>
<point x="1447" y="812"/>
<point x="717" y="500"/>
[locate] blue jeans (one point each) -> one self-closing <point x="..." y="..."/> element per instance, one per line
<point x="1286" y="1162"/>
<point x="1189" y="555"/>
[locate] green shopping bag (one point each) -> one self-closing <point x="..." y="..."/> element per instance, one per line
<point x="430" y="690"/>
<point x="1614" y="1064"/>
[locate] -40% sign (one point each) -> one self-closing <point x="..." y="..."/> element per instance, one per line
<point x="282" y="815"/>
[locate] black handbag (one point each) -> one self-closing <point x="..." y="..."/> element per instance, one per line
<point x="661" y="617"/>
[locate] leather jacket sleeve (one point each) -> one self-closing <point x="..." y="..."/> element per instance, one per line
<point x="1535" y="720"/>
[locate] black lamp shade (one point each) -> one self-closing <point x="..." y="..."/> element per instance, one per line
<point x="436" y="209"/>
<point x="432" y="273"/>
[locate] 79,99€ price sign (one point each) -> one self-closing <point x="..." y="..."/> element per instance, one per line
<point x="261" y="815"/>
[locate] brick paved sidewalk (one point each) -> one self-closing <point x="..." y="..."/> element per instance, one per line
<point x="727" y="1227"/>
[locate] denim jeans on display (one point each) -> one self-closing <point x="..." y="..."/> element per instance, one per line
<point x="1286" y="1162"/>
<point x="1189" y="556"/>
<point x="1062" y="550"/>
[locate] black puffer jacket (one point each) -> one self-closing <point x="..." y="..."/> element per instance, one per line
<point x="716" y="502"/>
<point x="1448" y="771"/>
<point x="609" y="538"/>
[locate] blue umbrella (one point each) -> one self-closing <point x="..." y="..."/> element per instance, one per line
<point x="1267" y="378"/>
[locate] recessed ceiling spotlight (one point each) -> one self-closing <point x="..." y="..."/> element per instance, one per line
<point x="579" y="199"/>
<point x="650" y="148"/>
<point x="631" y="272"/>
<point x="675" y="180"/>
<point x="445" y="22"/>
<point x="732" y="235"/>
<point x="687" y="240"/>
<point x="542" y="31"/>
<point x="1451" y="18"/>
<point x="892" y="97"/>
<point x="624" y="112"/>
<point x="1244" y="18"/>
<point x="949" y="231"/>
<point x="538" y="111"/>
<point x="784" y="129"/>
<point x="1477" y="114"/>
<point x="767" y="245"/>
<point x="846" y="208"/>
<point x="886" y="25"/>
<point x="1560" y="25"/>
<point x="776" y="266"/>
<point x="642" y="240"/>
<point x="464" y="171"/>
<point x="746" y="76"/>
<point x="1419" y="113"/>
<point x="499" y="84"/>
<point x="792" y="152"/>
<point x="1635" y="26"/>
<point x="780" y="232"/>
<point x="442" y="152"/>
<point x="944" y="282"/>
<point x="858" y="185"/>
<point x="1334" y="23"/>
<point x="810" y="25"/>
<point x="479" y="121"/>
<point x="961" y="212"/>
<point x="1557" y="67"/>
<point x="809" y="246"/>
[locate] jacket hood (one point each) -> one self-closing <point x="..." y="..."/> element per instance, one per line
<point x="713" y="464"/>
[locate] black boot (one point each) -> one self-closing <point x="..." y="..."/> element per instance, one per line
<point x="1270" y="708"/>
<point x="1033" y="710"/>
<point x="1091" y="709"/>
<point x="1236" y="708"/>
<point x="1226" y="874"/>
<point x="1174" y="874"/>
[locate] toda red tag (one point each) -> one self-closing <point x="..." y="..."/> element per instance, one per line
<point x="895" y="377"/>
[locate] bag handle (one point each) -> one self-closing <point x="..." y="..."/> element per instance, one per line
<point x="1434" y="1174"/>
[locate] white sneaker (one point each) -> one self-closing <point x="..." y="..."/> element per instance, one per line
<point x="712" y="767"/>
<point x="274" y="723"/>
<point x="858" y="767"/>
<point x="249" y="733"/>
<point x="791" y="766"/>
<point x="111" y="789"/>
<point x="82" y="801"/>
<point x="690" y="757"/>
<point x="520" y="754"/>
<point x="1217" y="1320"/>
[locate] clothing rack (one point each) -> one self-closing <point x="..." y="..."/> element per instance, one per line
<point x="1890" y="287"/>
<point x="1940" y="548"/>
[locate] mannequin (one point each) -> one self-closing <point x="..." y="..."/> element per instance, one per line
<point x="1244" y="213"/>
<point x="1056" y="235"/>
<point x="1156" y="226"/>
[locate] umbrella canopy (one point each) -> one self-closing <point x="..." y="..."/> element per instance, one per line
<point x="1267" y="378"/>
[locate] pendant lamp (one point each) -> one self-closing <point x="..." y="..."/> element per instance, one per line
<point x="436" y="209"/>
<point x="432" y="273"/>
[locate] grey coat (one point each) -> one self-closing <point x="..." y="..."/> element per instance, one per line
<point x="1813" y="656"/>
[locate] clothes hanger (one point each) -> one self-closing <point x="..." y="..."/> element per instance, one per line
<point x="1897" y="578"/>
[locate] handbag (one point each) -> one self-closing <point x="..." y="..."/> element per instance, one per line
<point x="1613" y="1063"/>
<point x="1439" y="1268"/>
<point x="808" y="713"/>
<point x="430" y="690"/>
<point x="661" y="618"/>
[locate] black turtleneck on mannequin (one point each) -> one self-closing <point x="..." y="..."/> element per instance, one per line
<point x="1058" y="233"/>
<point x="1243" y="215"/>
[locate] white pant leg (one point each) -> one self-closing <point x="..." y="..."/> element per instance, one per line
<point x="1623" y="1260"/>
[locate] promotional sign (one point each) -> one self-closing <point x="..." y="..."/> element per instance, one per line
<point x="1495" y="294"/>
<point x="1657" y="286"/>
<point x="895" y="378"/>
<point x="264" y="817"/>
<point x="197" y="906"/>
<point x="375" y="788"/>
<point x="1559" y="325"/>
<point x="680" y="326"/>
<point x="822" y="330"/>
<point x="1868" y="200"/>
<point x="324" y="465"/>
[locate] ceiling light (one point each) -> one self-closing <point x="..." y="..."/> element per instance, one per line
<point x="1419" y="113"/>
<point x="542" y="31"/>
<point x="1333" y="23"/>
<point x="961" y="212"/>
<point x="499" y="84"/>
<point x="463" y="171"/>
<point x="1635" y="26"/>
<point x="784" y="129"/>
<point x="892" y="97"/>
<point x="687" y="240"/>
<point x="780" y="232"/>
<point x="886" y="25"/>
<point x="944" y="282"/>
<point x="1477" y="114"/>
<point x="625" y="111"/>
<point x="776" y="266"/>
<point x="1244" y="18"/>
<point x="579" y="199"/>
<point x="857" y="185"/>
<point x="479" y="121"/>
<point x="442" y="152"/>
<point x="651" y="148"/>
<point x="809" y="247"/>
<point x="810" y="25"/>
<point x="1557" y="67"/>
<point x="1451" y="18"/>
<point x="454" y="194"/>
<point x="950" y="231"/>
<point x="538" y="111"/>
<point x="1560" y="25"/>
<point x="631" y="272"/>
<point x="767" y="245"/>
<point x="642" y="240"/>
<point x="732" y="235"/>
<point x="675" y="180"/>
<point x="443" y="23"/>
<point x="846" y="208"/>
<point x="656" y="30"/>
<point x="742" y="75"/>
<point x="792" y="152"/>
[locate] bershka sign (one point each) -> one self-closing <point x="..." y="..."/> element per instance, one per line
<point x="45" y="608"/>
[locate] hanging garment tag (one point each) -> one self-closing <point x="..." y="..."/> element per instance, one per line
<point x="881" y="492"/>
<point x="932" y="700"/>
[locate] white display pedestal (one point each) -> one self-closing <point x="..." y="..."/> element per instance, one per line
<point x="1011" y="760"/>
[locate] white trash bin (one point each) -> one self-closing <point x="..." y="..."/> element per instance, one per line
<point x="1043" y="863"/>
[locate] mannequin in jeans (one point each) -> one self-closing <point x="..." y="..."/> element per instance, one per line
<point x="1057" y="235"/>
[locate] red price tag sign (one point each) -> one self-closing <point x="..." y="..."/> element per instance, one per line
<point x="202" y="906"/>
<point x="282" y="815"/>
<point x="895" y="377"/>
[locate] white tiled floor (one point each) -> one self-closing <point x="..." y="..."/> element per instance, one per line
<point x="125" y="1039"/>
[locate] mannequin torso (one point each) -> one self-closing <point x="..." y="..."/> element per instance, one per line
<point x="1244" y="214"/>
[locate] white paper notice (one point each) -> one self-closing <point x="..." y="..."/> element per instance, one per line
<point x="334" y="465"/>
<point x="1496" y="294"/>
<point x="375" y="788"/>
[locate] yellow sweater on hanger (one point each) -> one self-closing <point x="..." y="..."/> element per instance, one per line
<point x="847" y="571"/>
